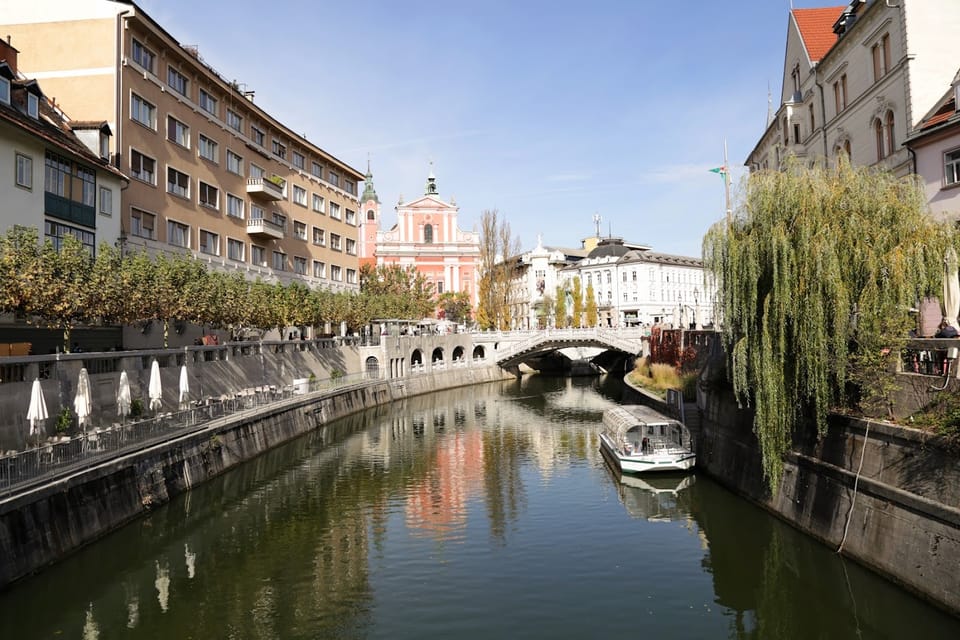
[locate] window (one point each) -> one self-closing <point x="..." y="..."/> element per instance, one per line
<point x="796" y="133"/>
<point x="56" y="232"/>
<point x="234" y="206"/>
<point x="256" y="212"/>
<point x="796" y="83"/>
<point x="279" y="149"/>
<point x="316" y="169"/>
<point x="951" y="167"/>
<point x="279" y="261"/>
<point x="840" y="93"/>
<point x="178" y="132"/>
<point x="334" y="179"/>
<point x="209" y="195"/>
<point x="143" y="167"/>
<point x="280" y="220"/>
<point x="350" y="187"/>
<point x="208" y="103"/>
<point x="74" y="183"/>
<point x="319" y="269"/>
<point x="142" y="224"/>
<point x="891" y="147"/>
<point x="234" y="120"/>
<point x="178" y="234"/>
<point x="208" y="149"/>
<point x="428" y="234"/>
<point x="335" y="273"/>
<point x="143" y="112"/>
<point x="300" y="230"/>
<point x="334" y="210"/>
<point x="352" y="276"/>
<point x="335" y="241"/>
<point x="33" y="106"/>
<point x="878" y="134"/>
<point x="234" y="163"/>
<point x="351" y="246"/>
<point x="256" y="171"/>
<point x="786" y="132"/>
<point x="298" y="160"/>
<point x="299" y="195"/>
<point x="258" y="256"/>
<point x="106" y="202"/>
<point x="439" y="286"/>
<point x="177" y="81"/>
<point x="813" y="122"/>
<point x="300" y="266"/>
<point x="351" y="217"/>
<point x="24" y="171"/>
<point x="209" y="243"/>
<point x="178" y="183"/>
<point x="881" y="57"/>
<point x="317" y="203"/>
<point x="144" y="57"/>
<point x="235" y="249"/>
<point x="4" y="91"/>
<point x="371" y="215"/>
<point x="257" y="135"/>
<point x="319" y="237"/>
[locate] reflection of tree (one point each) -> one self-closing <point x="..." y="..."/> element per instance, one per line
<point x="502" y="453"/>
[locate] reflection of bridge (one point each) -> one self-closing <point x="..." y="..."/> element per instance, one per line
<point x="516" y="347"/>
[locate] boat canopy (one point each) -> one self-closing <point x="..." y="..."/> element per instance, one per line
<point x="622" y="419"/>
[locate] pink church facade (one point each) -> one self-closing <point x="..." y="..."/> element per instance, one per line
<point x="426" y="236"/>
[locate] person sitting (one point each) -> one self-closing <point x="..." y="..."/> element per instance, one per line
<point x="946" y="330"/>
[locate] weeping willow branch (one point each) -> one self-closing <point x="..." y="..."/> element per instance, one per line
<point x="815" y="273"/>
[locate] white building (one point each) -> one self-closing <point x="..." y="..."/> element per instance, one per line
<point x="858" y="79"/>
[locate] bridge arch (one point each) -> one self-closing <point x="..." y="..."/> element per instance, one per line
<point x="372" y="367"/>
<point x="437" y="355"/>
<point x="416" y="358"/>
<point x="479" y="353"/>
<point x="457" y="353"/>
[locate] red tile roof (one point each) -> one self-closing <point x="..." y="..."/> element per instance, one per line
<point x="816" y="29"/>
<point x="942" y="114"/>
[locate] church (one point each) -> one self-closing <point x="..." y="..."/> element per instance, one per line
<point x="425" y="236"/>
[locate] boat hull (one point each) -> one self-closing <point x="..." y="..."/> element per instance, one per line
<point x="646" y="462"/>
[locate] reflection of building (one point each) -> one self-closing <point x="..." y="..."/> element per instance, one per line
<point x="426" y="237"/>
<point x="213" y="174"/>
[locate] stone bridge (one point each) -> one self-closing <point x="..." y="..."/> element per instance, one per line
<point x="515" y="347"/>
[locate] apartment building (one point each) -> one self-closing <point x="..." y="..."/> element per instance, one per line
<point x="211" y="172"/>
<point x="936" y="146"/>
<point x="857" y="80"/>
<point x="57" y="177"/>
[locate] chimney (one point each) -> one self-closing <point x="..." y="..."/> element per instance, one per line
<point x="8" y="54"/>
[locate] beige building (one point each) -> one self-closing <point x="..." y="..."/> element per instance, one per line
<point x="211" y="173"/>
<point x="858" y="79"/>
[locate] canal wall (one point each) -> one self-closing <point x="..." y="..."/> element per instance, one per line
<point x="43" y="525"/>
<point x="883" y="495"/>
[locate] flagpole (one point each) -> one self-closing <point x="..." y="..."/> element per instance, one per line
<point x="726" y="183"/>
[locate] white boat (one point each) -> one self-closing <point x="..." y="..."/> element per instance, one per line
<point x="637" y="439"/>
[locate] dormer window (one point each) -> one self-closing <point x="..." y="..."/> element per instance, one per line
<point x="33" y="106"/>
<point x="4" y="91"/>
<point x="104" y="145"/>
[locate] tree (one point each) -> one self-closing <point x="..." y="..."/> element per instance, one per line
<point x="19" y="253"/>
<point x="591" y="311"/>
<point x="497" y="246"/>
<point x="545" y="311"/>
<point x="455" y="306"/>
<point x="577" y="294"/>
<point x="815" y="274"/>
<point x="398" y="292"/>
<point x="560" y="310"/>
<point x="60" y="289"/>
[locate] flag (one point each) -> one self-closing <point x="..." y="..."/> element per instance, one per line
<point x="719" y="170"/>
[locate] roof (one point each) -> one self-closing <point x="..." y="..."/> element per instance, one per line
<point x="816" y="29"/>
<point x="943" y="115"/>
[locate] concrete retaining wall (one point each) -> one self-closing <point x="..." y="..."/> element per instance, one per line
<point x="905" y="517"/>
<point x="43" y="525"/>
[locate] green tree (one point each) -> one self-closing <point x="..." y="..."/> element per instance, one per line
<point x="560" y="308"/>
<point x="577" y="294"/>
<point x="19" y="254"/>
<point x="591" y="311"/>
<point x="814" y="275"/>
<point x="60" y="286"/>
<point x="545" y="311"/>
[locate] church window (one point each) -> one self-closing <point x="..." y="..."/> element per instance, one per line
<point x="428" y="234"/>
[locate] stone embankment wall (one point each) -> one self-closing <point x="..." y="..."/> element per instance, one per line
<point x="43" y="525"/>
<point x="888" y="495"/>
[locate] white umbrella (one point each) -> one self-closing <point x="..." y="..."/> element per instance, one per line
<point x="123" y="396"/>
<point x="184" y="387"/>
<point x="38" y="407"/>
<point x="154" y="389"/>
<point x="951" y="288"/>
<point x="82" y="402"/>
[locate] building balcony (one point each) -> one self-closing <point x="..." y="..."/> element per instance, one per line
<point x="76" y="212"/>
<point x="264" y="188"/>
<point x="261" y="227"/>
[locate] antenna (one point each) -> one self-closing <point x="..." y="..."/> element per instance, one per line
<point x="596" y="222"/>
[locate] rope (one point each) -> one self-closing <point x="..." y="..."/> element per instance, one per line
<point x="856" y="481"/>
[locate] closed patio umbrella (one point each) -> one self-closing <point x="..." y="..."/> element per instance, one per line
<point x="184" y="387"/>
<point x="154" y="389"/>
<point x="951" y="288"/>
<point x="123" y="396"/>
<point x="37" y="411"/>
<point x="82" y="402"/>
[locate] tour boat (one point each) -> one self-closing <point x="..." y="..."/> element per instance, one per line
<point x="638" y="439"/>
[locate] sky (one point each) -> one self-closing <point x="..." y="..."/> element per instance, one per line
<point x="548" y="111"/>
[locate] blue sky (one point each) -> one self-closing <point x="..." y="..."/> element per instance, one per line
<point x="548" y="111"/>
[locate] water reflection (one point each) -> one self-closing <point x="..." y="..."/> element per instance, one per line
<point x="420" y="518"/>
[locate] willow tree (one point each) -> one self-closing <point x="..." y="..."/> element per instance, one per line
<point x="816" y="273"/>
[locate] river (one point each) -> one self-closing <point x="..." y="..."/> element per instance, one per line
<point x="484" y="512"/>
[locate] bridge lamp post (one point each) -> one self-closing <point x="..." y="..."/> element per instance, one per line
<point x="696" y="304"/>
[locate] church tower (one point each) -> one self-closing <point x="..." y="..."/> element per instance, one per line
<point x="369" y="221"/>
